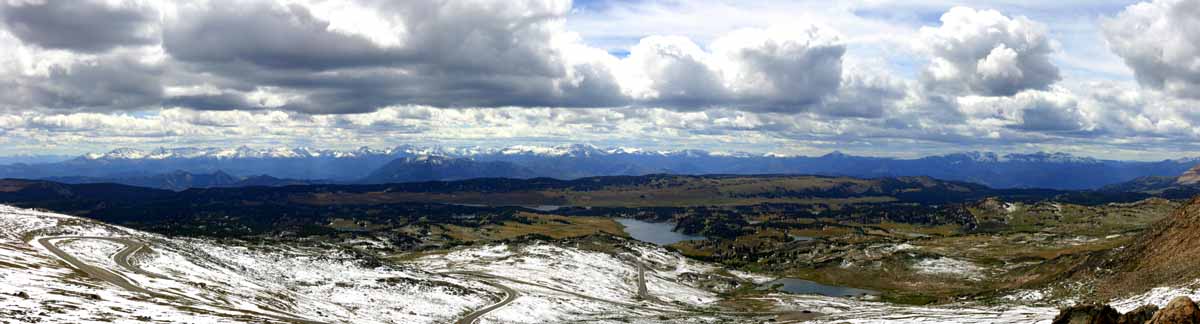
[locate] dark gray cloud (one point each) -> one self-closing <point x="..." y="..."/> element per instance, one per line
<point x="677" y="74"/>
<point x="788" y="70"/>
<point x="109" y="83"/>
<point x="986" y="53"/>
<point x="452" y="55"/>
<point x="1158" y="40"/>
<point x="223" y="101"/>
<point x="268" y="35"/>
<point x="863" y="96"/>
<point x="79" y="25"/>
<point x="1045" y="116"/>
<point x="799" y="76"/>
<point x="501" y="37"/>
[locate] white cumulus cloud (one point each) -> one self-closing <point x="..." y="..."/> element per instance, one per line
<point x="1160" y="41"/>
<point x="986" y="53"/>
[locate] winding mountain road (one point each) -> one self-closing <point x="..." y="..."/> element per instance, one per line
<point x="510" y="295"/>
<point x="559" y="290"/>
<point x="122" y="259"/>
<point x="642" y="294"/>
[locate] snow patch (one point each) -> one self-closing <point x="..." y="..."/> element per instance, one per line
<point x="945" y="266"/>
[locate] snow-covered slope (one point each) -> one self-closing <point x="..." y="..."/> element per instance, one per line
<point x="200" y="281"/>
<point x="62" y="269"/>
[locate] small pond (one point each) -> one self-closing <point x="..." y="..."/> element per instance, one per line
<point x="657" y="233"/>
<point x="801" y="238"/>
<point x="545" y="208"/>
<point x="801" y="286"/>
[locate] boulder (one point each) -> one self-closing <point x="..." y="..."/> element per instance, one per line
<point x="1181" y="310"/>
<point x="1088" y="314"/>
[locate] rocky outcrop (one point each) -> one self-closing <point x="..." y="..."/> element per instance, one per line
<point x="1181" y="310"/>
<point x="1088" y="314"/>
<point x="1138" y="315"/>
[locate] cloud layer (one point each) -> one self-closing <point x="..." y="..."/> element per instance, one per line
<point x="763" y="75"/>
<point x="226" y="55"/>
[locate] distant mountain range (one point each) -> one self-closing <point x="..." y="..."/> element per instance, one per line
<point x="181" y="180"/>
<point x="415" y="163"/>
<point x="28" y="159"/>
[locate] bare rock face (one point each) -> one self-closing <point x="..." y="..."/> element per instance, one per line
<point x="1088" y="314"/>
<point x="1190" y="177"/>
<point x="1138" y="315"/>
<point x="1181" y="310"/>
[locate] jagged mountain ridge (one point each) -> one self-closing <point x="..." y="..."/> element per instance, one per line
<point x="1044" y="170"/>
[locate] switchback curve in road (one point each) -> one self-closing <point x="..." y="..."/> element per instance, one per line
<point x="121" y="258"/>
<point x="510" y="295"/>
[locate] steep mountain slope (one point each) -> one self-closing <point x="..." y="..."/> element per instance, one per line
<point x="1191" y="177"/>
<point x="433" y="168"/>
<point x="1143" y="184"/>
<point x="1167" y="254"/>
<point x="1183" y="186"/>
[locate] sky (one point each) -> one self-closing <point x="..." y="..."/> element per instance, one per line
<point x="1110" y="79"/>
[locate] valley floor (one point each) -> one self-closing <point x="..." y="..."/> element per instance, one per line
<point x="62" y="269"/>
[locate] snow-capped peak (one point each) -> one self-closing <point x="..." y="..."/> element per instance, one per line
<point x="975" y="156"/>
<point x="123" y="153"/>
<point x="1057" y="157"/>
<point x="735" y="154"/>
<point x="242" y="152"/>
<point x="429" y="159"/>
<point x="835" y="154"/>
<point x="1039" y="157"/>
<point x="571" y="150"/>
